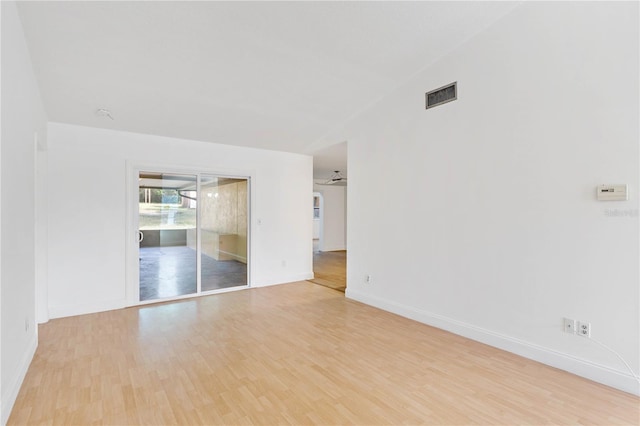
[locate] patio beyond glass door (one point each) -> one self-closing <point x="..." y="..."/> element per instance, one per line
<point x="167" y="224"/>
<point x="192" y="233"/>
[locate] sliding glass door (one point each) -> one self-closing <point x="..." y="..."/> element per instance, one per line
<point x="223" y="232"/>
<point x="192" y="234"/>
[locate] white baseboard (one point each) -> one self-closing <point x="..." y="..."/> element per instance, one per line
<point x="283" y="280"/>
<point x="581" y="367"/>
<point x="10" y="395"/>
<point x="87" y="308"/>
<point x="92" y="308"/>
<point x="336" y="248"/>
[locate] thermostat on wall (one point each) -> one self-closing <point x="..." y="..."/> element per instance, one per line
<point x="612" y="193"/>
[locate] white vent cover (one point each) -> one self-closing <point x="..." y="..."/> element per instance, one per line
<point x="442" y="95"/>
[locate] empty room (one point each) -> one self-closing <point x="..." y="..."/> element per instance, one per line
<point x="174" y="173"/>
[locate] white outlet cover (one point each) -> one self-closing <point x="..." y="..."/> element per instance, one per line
<point x="583" y="329"/>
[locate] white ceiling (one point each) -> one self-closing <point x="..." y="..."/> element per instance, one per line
<point x="273" y="75"/>
<point x="328" y="160"/>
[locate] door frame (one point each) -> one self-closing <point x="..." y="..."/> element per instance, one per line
<point x="320" y="219"/>
<point x="132" y="261"/>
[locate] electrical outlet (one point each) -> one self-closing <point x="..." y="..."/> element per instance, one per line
<point x="584" y="329"/>
<point x="569" y="325"/>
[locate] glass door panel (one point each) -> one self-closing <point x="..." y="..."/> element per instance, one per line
<point x="224" y="219"/>
<point x="167" y="235"/>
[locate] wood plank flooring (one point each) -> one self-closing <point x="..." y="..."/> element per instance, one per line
<point x="330" y="269"/>
<point x="291" y="354"/>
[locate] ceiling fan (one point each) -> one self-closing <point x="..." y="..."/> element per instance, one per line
<point x="336" y="179"/>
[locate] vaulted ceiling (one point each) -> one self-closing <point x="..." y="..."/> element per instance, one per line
<point x="273" y="75"/>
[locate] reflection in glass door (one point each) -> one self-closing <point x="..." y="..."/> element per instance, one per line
<point x="223" y="232"/>
<point x="167" y="224"/>
<point x="192" y="233"/>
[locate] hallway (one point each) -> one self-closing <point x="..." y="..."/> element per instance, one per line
<point x="330" y="269"/>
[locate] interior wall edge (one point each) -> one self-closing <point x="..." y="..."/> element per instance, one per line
<point x="85" y="308"/>
<point x="581" y="367"/>
<point x="9" y="395"/>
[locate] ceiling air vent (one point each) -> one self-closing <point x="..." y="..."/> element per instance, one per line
<point x="442" y="95"/>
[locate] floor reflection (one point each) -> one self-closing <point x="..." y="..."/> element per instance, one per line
<point x="154" y="320"/>
<point x="171" y="271"/>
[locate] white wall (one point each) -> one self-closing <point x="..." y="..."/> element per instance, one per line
<point x="22" y="116"/>
<point x="87" y="211"/>
<point x="485" y="221"/>
<point x="334" y="226"/>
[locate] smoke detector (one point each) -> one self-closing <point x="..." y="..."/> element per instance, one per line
<point x="102" y="112"/>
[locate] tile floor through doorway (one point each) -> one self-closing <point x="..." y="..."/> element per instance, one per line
<point x="171" y="271"/>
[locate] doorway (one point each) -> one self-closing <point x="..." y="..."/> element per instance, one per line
<point x="329" y="256"/>
<point x="192" y="234"/>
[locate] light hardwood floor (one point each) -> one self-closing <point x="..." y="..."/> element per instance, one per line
<point x="291" y="354"/>
<point x="330" y="269"/>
